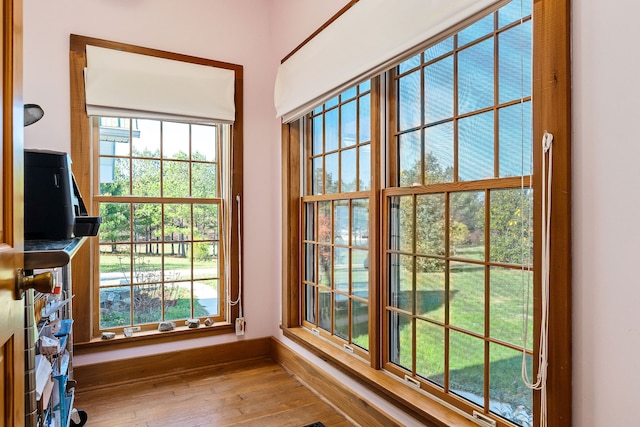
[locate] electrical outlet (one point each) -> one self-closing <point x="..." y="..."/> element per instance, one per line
<point x="240" y="326"/>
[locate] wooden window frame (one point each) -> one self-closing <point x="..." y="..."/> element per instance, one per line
<point x="551" y="113"/>
<point x="83" y="262"/>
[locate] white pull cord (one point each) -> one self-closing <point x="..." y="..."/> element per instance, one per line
<point x="238" y="301"/>
<point x="541" y="379"/>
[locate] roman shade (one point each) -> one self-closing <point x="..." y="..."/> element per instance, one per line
<point x="367" y="39"/>
<point x="125" y="84"/>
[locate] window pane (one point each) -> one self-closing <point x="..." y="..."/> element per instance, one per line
<point x="115" y="225"/>
<point x="348" y="170"/>
<point x="146" y="140"/>
<point x="175" y="140"/>
<point x="360" y="222"/>
<point x="400" y="340"/>
<point x="401" y="282"/>
<point x="115" y="307"/>
<point x="430" y="352"/>
<point x="147" y="263"/>
<point x="401" y="229"/>
<point x="114" y="176"/>
<point x="360" y="273"/>
<point x="349" y="93"/>
<point x="175" y="179"/>
<point x="203" y="143"/>
<point x="114" y="136"/>
<point x="476" y="147"/>
<point x="317" y="135"/>
<point x="309" y="221"/>
<point x="310" y="304"/>
<point x="205" y="261"/>
<point x="364" y="169"/>
<point x="115" y="265"/>
<point x="309" y="262"/>
<point x="325" y="226"/>
<point x="365" y="118"/>
<point x="360" y="322"/>
<point x="438" y="87"/>
<point x="466" y="367"/>
<point x="348" y="124"/>
<point x="409" y="115"/>
<point x="439" y="153"/>
<point x="515" y="63"/>
<point x="147" y="305"/>
<point x="409" y="157"/>
<point x="177" y="301"/>
<point x="146" y="178"/>
<point x="205" y="293"/>
<point x="331" y="130"/>
<point x="341" y="269"/>
<point x="147" y="222"/>
<point x="409" y="64"/>
<point x="326" y="261"/>
<point x="466" y="287"/>
<point x="476" y="30"/>
<point x="177" y="261"/>
<point x="466" y="225"/>
<point x="177" y="222"/>
<point x="475" y="77"/>
<point x="430" y="288"/>
<point x="317" y="176"/>
<point x="341" y="316"/>
<point x="341" y="222"/>
<point x="325" y="309"/>
<point x="516" y="150"/>
<point x="510" y="290"/>
<point x="510" y="398"/>
<point x="512" y="226"/>
<point x="204" y="180"/>
<point x="331" y="103"/>
<point x="331" y="173"/>
<point x="439" y="49"/>
<point x="430" y="226"/>
<point x="206" y="222"/>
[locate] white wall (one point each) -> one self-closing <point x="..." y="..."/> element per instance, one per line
<point x="235" y="31"/>
<point x="606" y="206"/>
<point x="606" y="288"/>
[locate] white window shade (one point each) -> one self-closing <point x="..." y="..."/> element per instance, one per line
<point x="367" y="39"/>
<point x="125" y="84"/>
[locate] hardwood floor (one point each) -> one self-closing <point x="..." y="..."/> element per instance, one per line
<point x="250" y="393"/>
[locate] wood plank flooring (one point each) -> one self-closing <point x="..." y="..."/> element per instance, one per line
<point x="251" y="393"/>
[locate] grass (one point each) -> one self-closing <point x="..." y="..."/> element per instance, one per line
<point x="467" y="295"/>
<point x="116" y="263"/>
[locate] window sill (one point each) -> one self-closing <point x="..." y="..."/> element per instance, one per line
<point x="151" y="337"/>
<point x="415" y="402"/>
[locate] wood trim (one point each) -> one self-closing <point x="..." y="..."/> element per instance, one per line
<point x="78" y="44"/>
<point x="348" y="401"/>
<point x="106" y="374"/>
<point x="413" y="402"/>
<point x="552" y="113"/>
<point x="322" y="27"/>
<point x="290" y="224"/>
<point x="81" y="274"/>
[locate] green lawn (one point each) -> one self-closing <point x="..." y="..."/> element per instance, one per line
<point x="467" y="311"/>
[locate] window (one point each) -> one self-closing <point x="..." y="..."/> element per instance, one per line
<point x="159" y="193"/>
<point x="454" y="249"/>
<point x="168" y="247"/>
<point x="459" y="245"/>
<point x="337" y="227"/>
